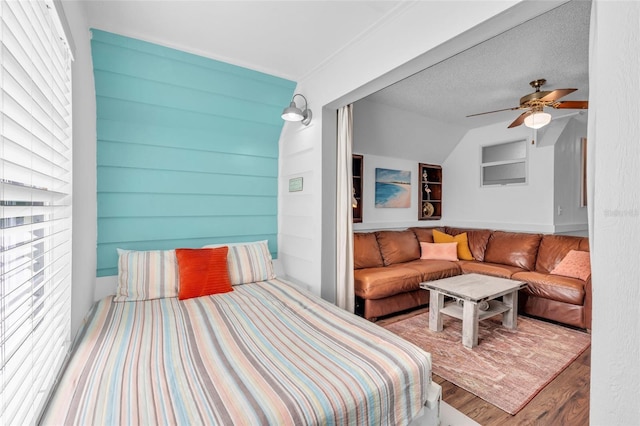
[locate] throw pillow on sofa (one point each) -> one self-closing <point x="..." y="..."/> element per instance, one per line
<point x="463" y="244"/>
<point x="576" y="264"/>
<point x="439" y="251"/>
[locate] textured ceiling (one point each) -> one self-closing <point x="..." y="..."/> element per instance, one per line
<point x="496" y="73"/>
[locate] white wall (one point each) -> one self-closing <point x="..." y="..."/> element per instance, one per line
<point x="84" y="167"/>
<point x="385" y="134"/>
<point x="614" y="152"/>
<point x="554" y="179"/>
<point x="417" y="28"/>
<point x="569" y="216"/>
<point x="374" y="218"/>
<point x="518" y="207"/>
<point x="386" y="131"/>
<point x="297" y="229"/>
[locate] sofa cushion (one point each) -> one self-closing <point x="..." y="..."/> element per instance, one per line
<point x="553" y="248"/>
<point x="477" y="239"/>
<point x="494" y="269"/>
<point x="374" y="308"/>
<point x="463" y="245"/>
<point x="565" y="313"/>
<point x="366" y="252"/>
<point x="376" y="283"/>
<point x="554" y="287"/>
<point x="430" y="270"/>
<point x="425" y="234"/>
<point x="398" y="246"/>
<point x="513" y="248"/>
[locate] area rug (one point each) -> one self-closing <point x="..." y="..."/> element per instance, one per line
<point x="508" y="367"/>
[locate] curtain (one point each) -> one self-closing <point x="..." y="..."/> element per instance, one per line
<point x="344" y="220"/>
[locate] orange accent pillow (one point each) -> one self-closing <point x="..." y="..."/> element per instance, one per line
<point x="576" y="264"/>
<point x="463" y="243"/>
<point x="203" y="272"/>
<point x="442" y="251"/>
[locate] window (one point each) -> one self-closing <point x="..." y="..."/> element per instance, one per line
<point x="504" y="163"/>
<point x="35" y="206"/>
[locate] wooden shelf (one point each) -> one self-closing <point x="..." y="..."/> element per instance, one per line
<point x="429" y="192"/>
<point x="496" y="307"/>
<point x="357" y="168"/>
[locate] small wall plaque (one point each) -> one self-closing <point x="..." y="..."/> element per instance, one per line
<point x="295" y="184"/>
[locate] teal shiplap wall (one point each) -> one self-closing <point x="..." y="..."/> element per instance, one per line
<point x="187" y="149"/>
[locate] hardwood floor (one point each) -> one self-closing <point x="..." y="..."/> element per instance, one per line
<point x="564" y="401"/>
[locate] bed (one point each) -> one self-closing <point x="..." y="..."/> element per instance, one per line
<point x="266" y="353"/>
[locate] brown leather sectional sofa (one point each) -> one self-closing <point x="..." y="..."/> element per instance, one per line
<point x="388" y="271"/>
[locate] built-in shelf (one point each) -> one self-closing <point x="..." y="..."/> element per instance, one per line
<point x="357" y="168"/>
<point x="430" y="192"/>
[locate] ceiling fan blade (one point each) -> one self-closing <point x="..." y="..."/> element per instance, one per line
<point x="557" y="94"/>
<point x="518" y="121"/>
<point x="571" y="105"/>
<point x="490" y="112"/>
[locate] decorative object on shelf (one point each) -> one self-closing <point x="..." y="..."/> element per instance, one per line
<point x="427" y="209"/>
<point x="393" y="188"/>
<point x="293" y="113"/>
<point x="429" y="192"/>
<point x="357" y="167"/>
<point x="483" y="305"/>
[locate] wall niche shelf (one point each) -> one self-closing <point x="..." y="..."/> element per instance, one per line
<point x="429" y="192"/>
<point x="357" y="167"/>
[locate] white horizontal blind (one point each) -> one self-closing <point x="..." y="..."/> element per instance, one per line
<point x="35" y="206"/>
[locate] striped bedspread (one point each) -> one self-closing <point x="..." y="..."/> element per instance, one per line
<point x="266" y="353"/>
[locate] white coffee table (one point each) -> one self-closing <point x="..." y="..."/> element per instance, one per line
<point x="472" y="290"/>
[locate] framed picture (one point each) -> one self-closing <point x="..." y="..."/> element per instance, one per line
<point x="393" y="188"/>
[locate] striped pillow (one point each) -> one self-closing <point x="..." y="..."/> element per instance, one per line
<point x="248" y="262"/>
<point x="146" y="275"/>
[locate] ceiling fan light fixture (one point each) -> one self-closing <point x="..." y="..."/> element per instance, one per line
<point x="537" y="120"/>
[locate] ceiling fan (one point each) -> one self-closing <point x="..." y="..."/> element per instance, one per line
<point x="535" y="103"/>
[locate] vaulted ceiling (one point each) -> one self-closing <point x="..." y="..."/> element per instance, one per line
<point x="292" y="39"/>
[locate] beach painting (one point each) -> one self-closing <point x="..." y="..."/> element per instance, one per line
<point x="393" y="188"/>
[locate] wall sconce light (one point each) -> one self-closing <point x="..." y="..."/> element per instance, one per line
<point x="537" y="119"/>
<point x="293" y="113"/>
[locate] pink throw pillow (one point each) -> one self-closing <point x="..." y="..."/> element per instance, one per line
<point x="439" y="251"/>
<point x="576" y="264"/>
